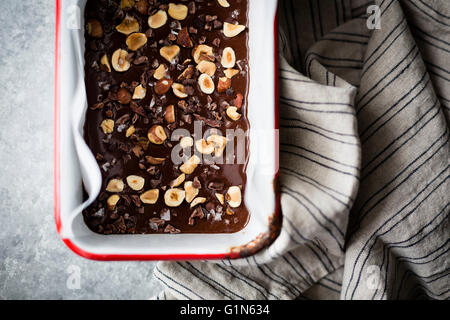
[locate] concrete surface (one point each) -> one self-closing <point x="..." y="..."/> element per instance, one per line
<point x="34" y="263"/>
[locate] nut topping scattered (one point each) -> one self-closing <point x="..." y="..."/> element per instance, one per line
<point x="142" y="6"/>
<point x="149" y="85"/>
<point x="163" y="86"/>
<point x="123" y="96"/>
<point x="184" y="39"/>
<point x="186" y="74"/>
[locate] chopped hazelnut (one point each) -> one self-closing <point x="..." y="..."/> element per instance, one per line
<point x="178" y="11"/>
<point x="157" y="135"/>
<point x="190" y="165"/>
<point x="191" y="191"/>
<point x="119" y="60"/>
<point x="105" y="63"/>
<point x="207" y="67"/>
<point x="139" y="92"/>
<point x="234" y="197"/>
<point x="169" y="52"/>
<point x="204" y="147"/>
<point x="178" y="90"/>
<point x="221" y="198"/>
<point x="150" y="196"/>
<point x="174" y="197"/>
<point x="112" y="201"/>
<point x="228" y="58"/>
<point x="233" y="114"/>
<point x="135" y="41"/>
<point x="230" y="73"/>
<point x="163" y="86"/>
<point x="186" y="142"/>
<point x="157" y="20"/>
<point x="115" y="186"/>
<point x="135" y="182"/>
<point x="232" y="30"/>
<point x="197" y="201"/>
<point x="224" y="3"/>
<point x="160" y="72"/>
<point x="206" y="83"/>
<point x="128" y="25"/>
<point x="170" y="114"/>
<point x="154" y="161"/>
<point x="203" y="52"/>
<point x="178" y="181"/>
<point x="224" y="84"/>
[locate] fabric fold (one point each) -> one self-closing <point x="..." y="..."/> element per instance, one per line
<point x="364" y="161"/>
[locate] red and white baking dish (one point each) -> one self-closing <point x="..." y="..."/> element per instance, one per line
<point x="261" y="195"/>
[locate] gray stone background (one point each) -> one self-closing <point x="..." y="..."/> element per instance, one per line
<point x="34" y="263"/>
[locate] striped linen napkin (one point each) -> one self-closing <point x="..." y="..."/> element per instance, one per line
<point x="364" y="117"/>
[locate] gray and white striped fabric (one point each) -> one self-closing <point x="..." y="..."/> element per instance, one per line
<point x="364" y="161"/>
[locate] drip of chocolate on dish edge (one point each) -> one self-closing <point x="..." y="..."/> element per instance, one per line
<point x="119" y="156"/>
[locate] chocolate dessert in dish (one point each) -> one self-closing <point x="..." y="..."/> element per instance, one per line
<point x="155" y="73"/>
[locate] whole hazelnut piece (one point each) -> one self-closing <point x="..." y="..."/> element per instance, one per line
<point x="94" y="28"/>
<point x="123" y="96"/>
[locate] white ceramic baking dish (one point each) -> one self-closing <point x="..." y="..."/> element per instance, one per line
<point x="261" y="197"/>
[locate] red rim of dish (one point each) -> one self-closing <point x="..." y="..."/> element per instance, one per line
<point x="57" y="175"/>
